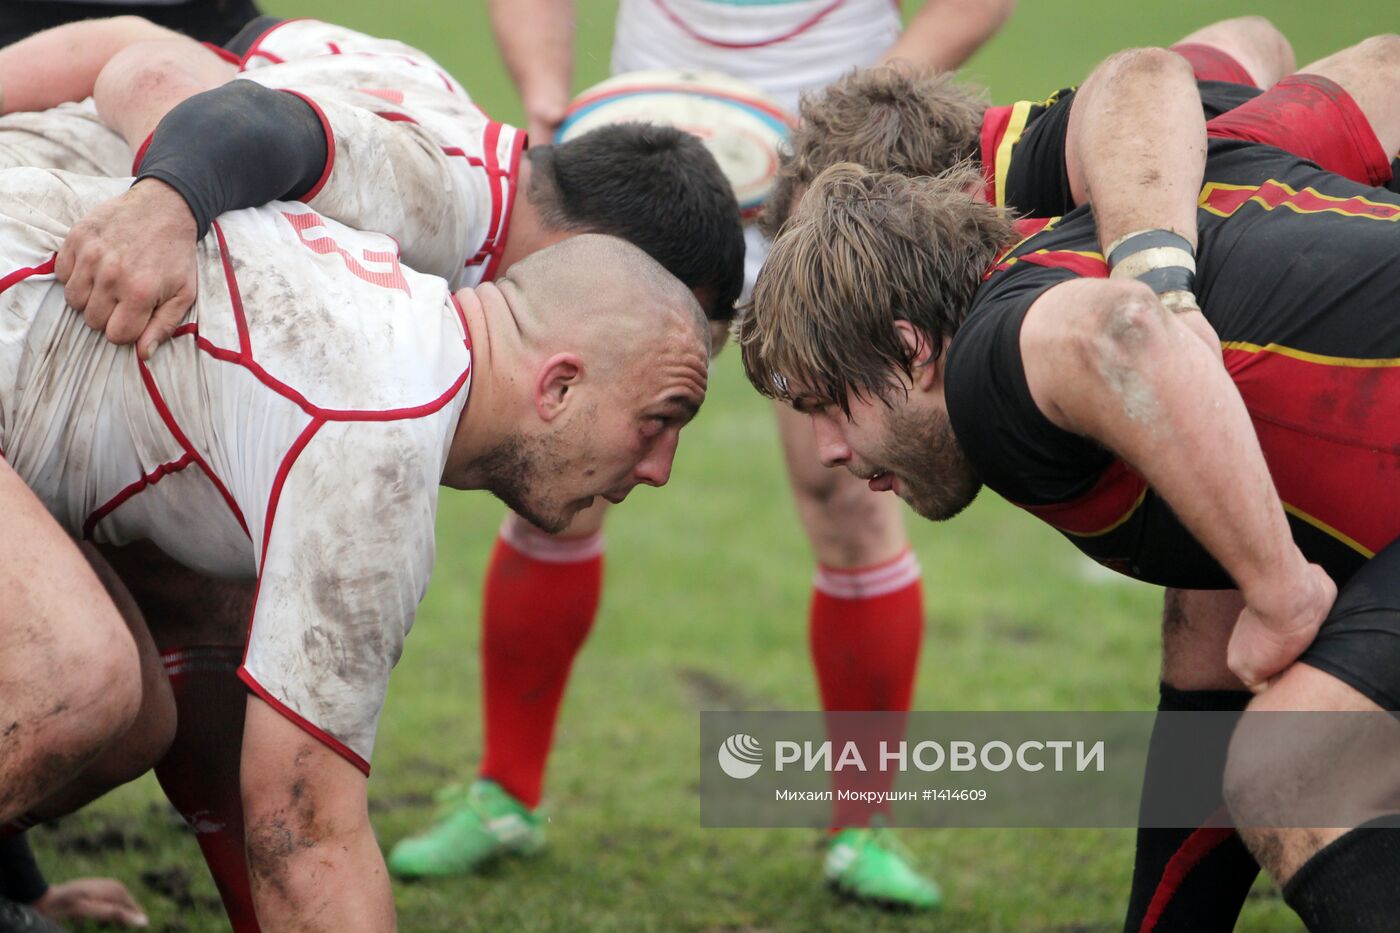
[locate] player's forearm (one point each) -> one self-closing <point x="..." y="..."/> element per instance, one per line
<point x="945" y="33"/>
<point x="1127" y="373"/>
<point x="1137" y="143"/>
<point x="336" y="884"/>
<point x="62" y="64"/>
<point x="536" y="39"/>
<point x="313" y="861"/>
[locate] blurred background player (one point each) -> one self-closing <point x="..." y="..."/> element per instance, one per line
<point x="542" y="592"/>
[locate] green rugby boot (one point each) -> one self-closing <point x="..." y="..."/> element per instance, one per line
<point x="475" y="826"/>
<point x="869" y="865"/>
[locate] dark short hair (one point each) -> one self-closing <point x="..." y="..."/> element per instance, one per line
<point x="656" y="187"/>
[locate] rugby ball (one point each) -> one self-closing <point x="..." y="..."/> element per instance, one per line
<point x="741" y="126"/>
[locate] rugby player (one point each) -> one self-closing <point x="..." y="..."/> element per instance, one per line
<point x="1338" y="111"/>
<point x="1086" y="404"/>
<point x="865" y="618"/>
<point x="295" y="431"/>
<point x="372" y="133"/>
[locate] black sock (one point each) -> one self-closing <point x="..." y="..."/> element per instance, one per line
<point x="1349" y="884"/>
<point x="1191" y="880"/>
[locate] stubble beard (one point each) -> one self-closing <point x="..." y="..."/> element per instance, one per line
<point x="938" y="480"/>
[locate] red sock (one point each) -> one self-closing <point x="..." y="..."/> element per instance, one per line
<point x="866" y="628"/>
<point x="200" y="772"/>
<point x="541" y="597"/>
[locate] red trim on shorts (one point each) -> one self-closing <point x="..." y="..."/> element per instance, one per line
<point x="19" y="275"/>
<point x="145" y="482"/>
<point x="223" y="53"/>
<point x="994" y="123"/>
<point x="1314" y="118"/>
<point x="141" y="153"/>
<point x="1209" y="63"/>
<point x="256" y="48"/>
<point x="173" y="427"/>
<point x="320" y="735"/>
<point x="330" y="144"/>
<point x="1193" y="850"/>
<point x="800" y="28"/>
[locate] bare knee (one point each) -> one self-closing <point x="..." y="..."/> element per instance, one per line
<point x="849" y="526"/>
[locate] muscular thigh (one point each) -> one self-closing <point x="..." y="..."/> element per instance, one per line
<point x="1196" y="627"/>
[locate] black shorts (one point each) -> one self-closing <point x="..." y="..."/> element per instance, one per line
<point x="215" y="21"/>
<point x="1359" y="643"/>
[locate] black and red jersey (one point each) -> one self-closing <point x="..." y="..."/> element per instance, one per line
<point x="1023" y="147"/>
<point x="1298" y="270"/>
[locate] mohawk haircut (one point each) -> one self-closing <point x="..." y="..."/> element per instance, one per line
<point x="890" y="118"/>
<point x="863" y="251"/>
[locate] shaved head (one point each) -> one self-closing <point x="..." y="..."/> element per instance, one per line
<point x="598" y="293"/>
<point x="596" y="357"/>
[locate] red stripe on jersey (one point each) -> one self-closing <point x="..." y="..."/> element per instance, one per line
<point x="335" y="49"/>
<point x="395" y="117"/>
<point x="145" y="482"/>
<point x="19" y="275"/>
<point x="174" y="428"/>
<point x="256" y="48"/>
<point x="245" y="343"/>
<point x="1083" y="264"/>
<point x="1113" y="499"/>
<point x="1311" y="411"/>
<point x="383" y="93"/>
<point x="244" y="358"/>
<point x="223" y="53"/>
<point x="320" y="735"/>
<point x="461" y="154"/>
<point x="330" y="145"/>
<point x="994" y="123"/>
<point x="1225" y="200"/>
<point x="498" y="246"/>
<point x="800" y="28"/>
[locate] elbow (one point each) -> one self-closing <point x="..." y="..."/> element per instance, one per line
<point x="1124" y="325"/>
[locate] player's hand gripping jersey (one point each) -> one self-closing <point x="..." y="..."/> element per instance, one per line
<point x="1298" y="271"/>
<point x="410" y="154"/>
<point x="295" y="429"/>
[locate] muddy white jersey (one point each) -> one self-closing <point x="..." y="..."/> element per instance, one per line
<point x="295" y="430"/>
<point x="410" y="154"/>
<point x="783" y="47"/>
<point x="68" y="137"/>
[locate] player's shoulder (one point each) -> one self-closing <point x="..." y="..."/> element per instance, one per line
<point x="330" y="315"/>
<point x="301" y="40"/>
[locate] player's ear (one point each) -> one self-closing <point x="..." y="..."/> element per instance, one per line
<point x="927" y="370"/>
<point x="555" y="383"/>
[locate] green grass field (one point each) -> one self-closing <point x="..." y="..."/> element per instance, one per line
<point x="705" y="608"/>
